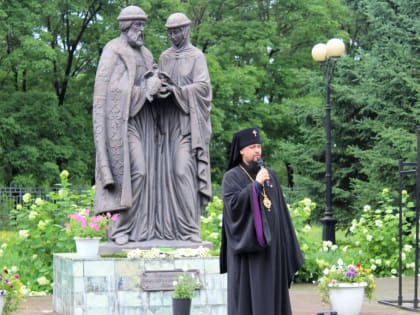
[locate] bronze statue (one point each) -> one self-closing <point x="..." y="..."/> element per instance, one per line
<point x="152" y="132"/>
<point x="184" y="134"/>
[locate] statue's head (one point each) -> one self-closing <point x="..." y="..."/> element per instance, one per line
<point x="131" y="23"/>
<point x="177" y="20"/>
<point x="178" y="25"/>
<point x="132" y="13"/>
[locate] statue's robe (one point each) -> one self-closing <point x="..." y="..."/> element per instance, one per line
<point x="124" y="130"/>
<point x="184" y="129"/>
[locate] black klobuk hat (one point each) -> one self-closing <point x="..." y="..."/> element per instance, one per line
<point x="240" y="140"/>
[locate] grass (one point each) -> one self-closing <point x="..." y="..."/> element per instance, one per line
<point x="316" y="233"/>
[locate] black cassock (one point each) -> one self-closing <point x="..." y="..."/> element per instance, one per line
<point x="258" y="277"/>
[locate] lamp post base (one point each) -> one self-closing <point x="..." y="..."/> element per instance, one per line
<point x="328" y="230"/>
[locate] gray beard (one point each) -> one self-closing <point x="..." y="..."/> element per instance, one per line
<point x="134" y="40"/>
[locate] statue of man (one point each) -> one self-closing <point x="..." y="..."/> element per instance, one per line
<point x="124" y="125"/>
<point x="184" y="129"/>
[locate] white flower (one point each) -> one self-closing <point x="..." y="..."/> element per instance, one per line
<point x="24" y="291"/>
<point x="378" y="261"/>
<point x="373" y="267"/>
<point x="394" y="271"/>
<point x="307" y="228"/>
<point x="214" y="235"/>
<point x="39" y="201"/>
<point x="62" y="193"/>
<point x="378" y="223"/>
<point x="407" y="248"/>
<point x="23" y="234"/>
<point x="19" y="207"/>
<point x="410" y="265"/>
<point x="32" y="215"/>
<point x="366" y="208"/>
<point x="26" y="197"/>
<point x="42" y="281"/>
<point x="334" y="247"/>
<point x="326" y="271"/>
<point x="42" y="224"/>
<point x="369" y="237"/>
<point x="340" y="262"/>
<point x="64" y="175"/>
<point x="326" y="245"/>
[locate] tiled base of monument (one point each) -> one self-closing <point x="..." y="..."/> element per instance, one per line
<point x="116" y="286"/>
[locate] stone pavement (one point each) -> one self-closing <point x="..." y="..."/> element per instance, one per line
<point x="305" y="300"/>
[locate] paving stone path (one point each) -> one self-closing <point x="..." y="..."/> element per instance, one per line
<point x="305" y="300"/>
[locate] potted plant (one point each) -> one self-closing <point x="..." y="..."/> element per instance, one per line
<point x="88" y="230"/>
<point x="184" y="288"/>
<point x="11" y="290"/>
<point x="344" y="286"/>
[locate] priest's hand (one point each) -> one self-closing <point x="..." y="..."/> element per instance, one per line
<point x="262" y="176"/>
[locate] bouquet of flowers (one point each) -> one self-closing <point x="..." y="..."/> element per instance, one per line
<point x="353" y="274"/>
<point x="11" y="288"/>
<point x="185" y="285"/>
<point x="83" y="224"/>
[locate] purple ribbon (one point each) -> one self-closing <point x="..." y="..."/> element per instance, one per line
<point x="257" y="218"/>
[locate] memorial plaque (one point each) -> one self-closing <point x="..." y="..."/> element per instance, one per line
<point x="162" y="280"/>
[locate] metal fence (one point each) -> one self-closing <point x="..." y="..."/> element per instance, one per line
<point x="10" y="197"/>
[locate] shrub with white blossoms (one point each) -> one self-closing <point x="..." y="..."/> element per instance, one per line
<point x="40" y="225"/>
<point x="375" y="235"/>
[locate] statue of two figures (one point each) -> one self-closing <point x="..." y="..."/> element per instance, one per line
<point x="152" y="131"/>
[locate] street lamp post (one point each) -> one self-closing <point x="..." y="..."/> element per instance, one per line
<point x="327" y="55"/>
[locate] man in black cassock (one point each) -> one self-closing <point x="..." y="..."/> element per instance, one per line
<point x="259" y="249"/>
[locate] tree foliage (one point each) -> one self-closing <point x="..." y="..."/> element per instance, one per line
<point x="258" y="53"/>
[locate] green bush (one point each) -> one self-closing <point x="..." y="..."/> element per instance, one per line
<point x="372" y="239"/>
<point x="375" y="238"/>
<point x="211" y="224"/>
<point x="40" y="233"/>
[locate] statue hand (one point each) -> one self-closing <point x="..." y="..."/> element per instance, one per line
<point x="165" y="90"/>
<point x="166" y="78"/>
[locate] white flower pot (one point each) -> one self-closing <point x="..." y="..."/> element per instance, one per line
<point x="2" y="302"/>
<point x="347" y="298"/>
<point x="87" y="247"/>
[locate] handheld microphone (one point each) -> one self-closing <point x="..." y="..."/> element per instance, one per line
<point x="260" y="163"/>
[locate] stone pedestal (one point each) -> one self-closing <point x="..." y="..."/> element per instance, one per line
<point x="110" y="286"/>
